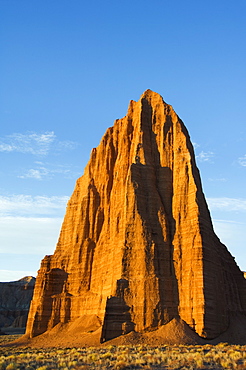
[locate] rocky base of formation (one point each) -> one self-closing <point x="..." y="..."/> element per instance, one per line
<point x="15" y="299"/>
<point x="79" y="334"/>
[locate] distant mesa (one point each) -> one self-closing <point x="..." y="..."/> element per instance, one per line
<point x="15" y="299"/>
<point x="137" y="259"/>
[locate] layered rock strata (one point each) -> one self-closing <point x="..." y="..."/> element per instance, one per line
<point x="137" y="246"/>
<point x="15" y="299"/>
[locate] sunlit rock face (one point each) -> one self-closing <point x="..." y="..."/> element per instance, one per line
<point x="137" y="247"/>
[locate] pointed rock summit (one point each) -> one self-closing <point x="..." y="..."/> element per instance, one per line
<point x="137" y="247"/>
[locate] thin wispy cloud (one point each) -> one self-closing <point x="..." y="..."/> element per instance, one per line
<point x="47" y="171"/>
<point x="38" y="174"/>
<point x="242" y="161"/>
<point x="228" y="222"/>
<point x="65" y="145"/>
<point x="195" y="145"/>
<point x="219" y="179"/>
<point x="30" y="142"/>
<point x="205" y="156"/>
<point x="26" y="205"/>
<point x="227" y="204"/>
<point x="39" y="144"/>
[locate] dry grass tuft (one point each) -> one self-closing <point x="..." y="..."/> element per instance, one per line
<point x="221" y="356"/>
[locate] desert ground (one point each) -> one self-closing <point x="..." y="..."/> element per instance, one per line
<point x="122" y="357"/>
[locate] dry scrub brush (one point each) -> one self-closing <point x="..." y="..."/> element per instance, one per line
<point x="221" y="356"/>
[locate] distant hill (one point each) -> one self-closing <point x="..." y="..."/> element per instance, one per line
<point x="15" y="299"/>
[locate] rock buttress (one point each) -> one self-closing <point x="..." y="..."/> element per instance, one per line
<point x="137" y="246"/>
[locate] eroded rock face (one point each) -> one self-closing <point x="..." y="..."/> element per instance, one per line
<point x="15" y="299"/>
<point x="137" y="247"/>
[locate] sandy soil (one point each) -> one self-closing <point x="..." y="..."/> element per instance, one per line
<point x="175" y="332"/>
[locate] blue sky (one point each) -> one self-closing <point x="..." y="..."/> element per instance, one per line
<point x="68" y="70"/>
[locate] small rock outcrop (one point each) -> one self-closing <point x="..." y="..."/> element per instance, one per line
<point x="15" y="299"/>
<point x="137" y="247"/>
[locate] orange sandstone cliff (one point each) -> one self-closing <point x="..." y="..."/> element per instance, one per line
<point x="137" y="247"/>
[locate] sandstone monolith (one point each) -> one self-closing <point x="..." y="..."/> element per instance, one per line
<point x="137" y="247"/>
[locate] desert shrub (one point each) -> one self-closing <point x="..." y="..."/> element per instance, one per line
<point x="121" y="365"/>
<point x="107" y="355"/>
<point x="222" y="356"/>
<point x="11" y="366"/>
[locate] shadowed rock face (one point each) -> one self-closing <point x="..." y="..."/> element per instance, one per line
<point x="137" y="247"/>
<point x="15" y="299"/>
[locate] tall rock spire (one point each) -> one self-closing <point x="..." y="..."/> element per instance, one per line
<point x="137" y="246"/>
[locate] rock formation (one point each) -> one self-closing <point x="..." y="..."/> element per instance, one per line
<point x="15" y="299"/>
<point x="137" y="246"/>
